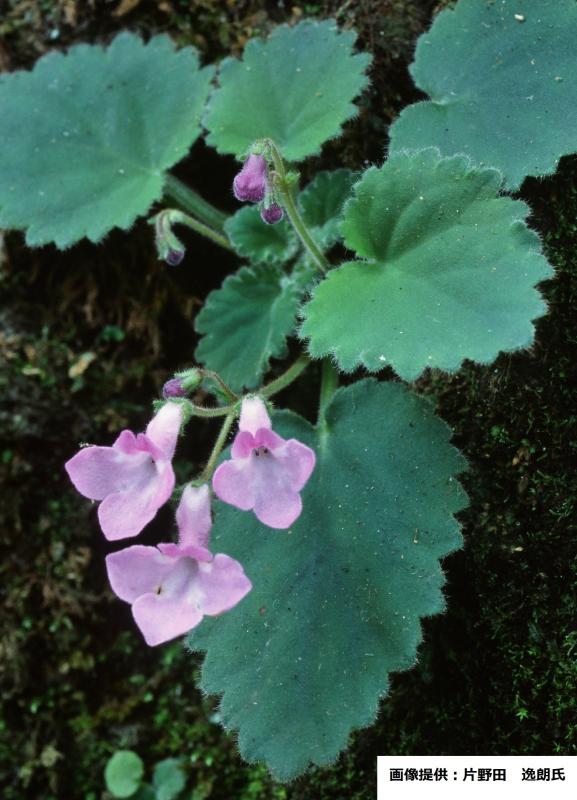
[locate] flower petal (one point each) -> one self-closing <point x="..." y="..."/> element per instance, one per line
<point x="188" y="550"/>
<point x="137" y="570"/>
<point x="98" y="471"/>
<point x="278" y="508"/>
<point x="127" y="443"/>
<point x="233" y="483"/>
<point x="222" y="584"/>
<point x="274" y="482"/>
<point x="268" y="439"/>
<point x="193" y="516"/>
<point x="253" y="415"/>
<point x="243" y="445"/>
<point x="298" y="462"/>
<point x="124" y="514"/>
<point x="164" y="427"/>
<point x="163" y="618"/>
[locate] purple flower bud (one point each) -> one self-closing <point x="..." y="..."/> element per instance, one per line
<point x="174" y="257"/>
<point x="250" y="183"/>
<point x="173" y="388"/>
<point x="272" y="214"/>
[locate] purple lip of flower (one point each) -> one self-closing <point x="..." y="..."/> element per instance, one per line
<point x="266" y="473"/>
<point x="250" y="183"/>
<point x="272" y="214"/>
<point x="133" y="478"/>
<point x="173" y="586"/>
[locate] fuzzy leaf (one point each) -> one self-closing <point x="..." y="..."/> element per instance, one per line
<point x="87" y="136"/>
<point x="337" y="599"/>
<point x="501" y="78"/>
<point x="246" y="322"/>
<point x="296" y="87"/>
<point x="322" y="203"/>
<point x="450" y="271"/>
<point x="254" y="239"/>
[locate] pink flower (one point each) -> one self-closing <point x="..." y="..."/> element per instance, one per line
<point x="133" y="478"/>
<point x="173" y="586"/>
<point x="251" y="182"/>
<point x="266" y="473"/>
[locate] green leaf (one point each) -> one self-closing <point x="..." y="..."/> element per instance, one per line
<point x="450" y="271"/>
<point x="296" y="88"/>
<point x="87" y="136"/>
<point x="337" y="599"/>
<point x="169" y="778"/>
<point x="254" y="239"/>
<point x="123" y="773"/>
<point x="501" y="78"/>
<point x="246" y="322"/>
<point x="322" y="203"/>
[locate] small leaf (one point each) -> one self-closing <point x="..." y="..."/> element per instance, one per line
<point x="123" y="773"/>
<point x="322" y="204"/>
<point x="87" y="136"/>
<point x="296" y="88"/>
<point x="169" y="778"/>
<point x="254" y="239"/>
<point x="450" y="271"/>
<point x="337" y="599"/>
<point x="501" y="78"/>
<point x="246" y="322"/>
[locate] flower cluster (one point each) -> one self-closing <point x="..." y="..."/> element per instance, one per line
<point x="172" y="586"/>
<point x="253" y="185"/>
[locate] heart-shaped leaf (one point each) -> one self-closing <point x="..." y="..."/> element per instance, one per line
<point x="246" y="322"/>
<point x="337" y="598"/>
<point x="501" y="78"/>
<point x="296" y="88"/>
<point x="256" y="240"/>
<point x="87" y="136"/>
<point x="322" y="204"/>
<point x="450" y="271"/>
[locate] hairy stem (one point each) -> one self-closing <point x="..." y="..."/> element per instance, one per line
<point x="200" y="227"/>
<point x="211" y="413"/>
<point x="329" y="384"/>
<point x="191" y="201"/>
<point x="218" y="447"/>
<point x="286" y="378"/>
<point x="292" y="211"/>
<point x="214" y="376"/>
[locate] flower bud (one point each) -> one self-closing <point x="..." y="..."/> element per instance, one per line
<point x="173" y="388"/>
<point x="250" y="183"/>
<point x="182" y="384"/>
<point x="272" y="214"/>
<point x="168" y="246"/>
<point x="174" y="257"/>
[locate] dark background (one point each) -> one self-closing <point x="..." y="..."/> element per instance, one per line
<point x="496" y="674"/>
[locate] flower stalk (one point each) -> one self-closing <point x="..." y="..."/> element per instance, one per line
<point x="189" y="200"/>
<point x="218" y="446"/>
<point x="285" y="189"/>
<point x="171" y="249"/>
